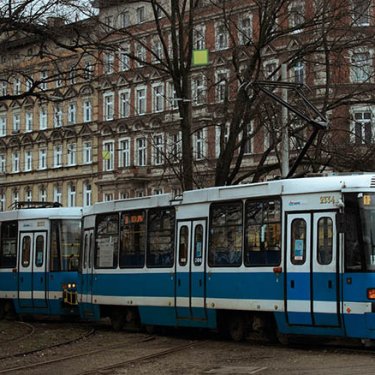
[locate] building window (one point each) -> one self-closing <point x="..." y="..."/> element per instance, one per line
<point x="3" y="124"/>
<point x="15" y="196"/>
<point x="125" y="19"/>
<point x="124" y="104"/>
<point x="72" y="76"/>
<point x="16" y="86"/>
<point x="72" y="151"/>
<point x="199" y="144"/>
<point x="140" y="14"/>
<point x="108" y="197"/>
<point x="15" y="161"/>
<point x="108" y="107"/>
<point x="141" y="100"/>
<point x="221" y="86"/>
<point x="140" y="151"/>
<point x="158" y="97"/>
<point x="222" y="135"/>
<point x="28" y="161"/>
<point x="299" y="72"/>
<point x="140" y="55"/>
<point x="58" y="116"/>
<point x="88" y="71"/>
<point x="16" y="122"/>
<point x="248" y="138"/>
<point x="87" y="152"/>
<point x="43" y="158"/>
<point x="43" y="194"/>
<point x="175" y="148"/>
<point x="44" y="80"/>
<point x="57" y="195"/>
<point x="72" y="111"/>
<point x="87" y="194"/>
<point x="124" y="153"/>
<point x="57" y="156"/>
<point x="270" y="71"/>
<point x="29" y="195"/>
<point x="2" y="202"/>
<point x="245" y="30"/>
<point x="108" y="156"/>
<point x="71" y="195"/>
<point x="43" y="118"/>
<point x="29" y="121"/>
<point x="172" y="96"/>
<point x="361" y="12"/>
<point x="2" y="163"/>
<point x="157" y="50"/>
<point x="3" y="88"/>
<point x="199" y="90"/>
<point x="362" y="131"/>
<point x="108" y="62"/>
<point x="296" y="17"/>
<point x="158" y="149"/>
<point x="221" y="37"/>
<point x="361" y="66"/>
<point x="199" y="41"/>
<point x="87" y="111"/>
<point x="124" y="60"/>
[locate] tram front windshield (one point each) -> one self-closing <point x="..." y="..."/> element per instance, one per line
<point x="366" y="202"/>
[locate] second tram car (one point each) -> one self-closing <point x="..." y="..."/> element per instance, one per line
<point x="294" y="256"/>
<point x="39" y="257"/>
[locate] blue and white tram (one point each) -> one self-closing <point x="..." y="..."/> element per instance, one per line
<point x="39" y="258"/>
<point x="297" y="256"/>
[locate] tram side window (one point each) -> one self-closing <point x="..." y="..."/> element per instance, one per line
<point x="298" y="242"/>
<point x="183" y="245"/>
<point x="65" y="244"/>
<point x="160" y="244"/>
<point x="133" y="239"/>
<point x="226" y="232"/>
<point x="39" y="251"/>
<point x="198" y="245"/>
<point x="8" y="244"/>
<point x="107" y="236"/>
<point x="263" y="233"/>
<point x="325" y="240"/>
<point x="26" y="248"/>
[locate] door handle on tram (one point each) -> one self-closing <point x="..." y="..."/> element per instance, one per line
<point x="292" y="284"/>
<point x="330" y="284"/>
<point x="179" y="282"/>
<point x="41" y="280"/>
<point x="200" y="282"/>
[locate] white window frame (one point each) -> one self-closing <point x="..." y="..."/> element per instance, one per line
<point x="16" y="121"/>
<point x="158" y="97"/>
<point x="57" y="116"/>
<point x="140" y="151"/>
<point x="141" y="100"/>
<point x="2" y="163"/>
<point x="221" y="85"/>
<point x="158" y="149"/>
<point x="87" y="194"/>
<point x="71" y="195"/>
<point x="15" y="161"/>
<point x="29" y="121"/>
<point x="87" y="152"/>
<point x="108" y="156"/>
<point x="199" y="37"/>
<point x="28" y="160"/>
<point x="3" y="124"/>
<point x="72" y="113"/>
<point x="87" y="110"/>
<point x="124" y="152"/>
<point x="199" y="90"/>
<point x="124" y="103"/>
<point x="200" y="145"/>
<point x="43" y="158"/>
<point x="108" y="62"/>
<point x="57" y="155"/>
<point x="355" y="120"/>
<point x="108" y="106"/>
<point x="57" y="194"/>
<point x="361" y="70"/>
<point x="245" y="32"/>
<point x="43" y="117"/>
<point x="221" y="36"/>
<point x="72" y="154"/>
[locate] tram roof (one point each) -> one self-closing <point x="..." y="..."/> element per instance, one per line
<point x="42" y="213"/>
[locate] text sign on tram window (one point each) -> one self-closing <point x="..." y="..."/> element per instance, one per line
<point x="133" y="219"/>
<point x="366" y="200"/>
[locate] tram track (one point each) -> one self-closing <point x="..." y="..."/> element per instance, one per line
<point x="32" y="329"/>
<point x="37" y="366"/>
<point x="5" y="339"/>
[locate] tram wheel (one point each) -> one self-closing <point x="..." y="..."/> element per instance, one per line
<point x="237" y="327"/>
<point x="117" y="319"/>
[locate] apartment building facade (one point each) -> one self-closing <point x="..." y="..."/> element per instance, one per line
<point x="114" y="130"/>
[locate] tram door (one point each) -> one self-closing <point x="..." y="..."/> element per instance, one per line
<point x="311" y="269"/>
<point x="32" y="286"/>
<point x="190" y="269"/>
<point x="87" y="266"/>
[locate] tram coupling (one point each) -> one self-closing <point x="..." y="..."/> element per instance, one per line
<point x="70" y="294"/>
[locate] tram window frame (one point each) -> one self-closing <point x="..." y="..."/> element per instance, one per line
<point x="225" y="245"/>
<point x="324" y="251"/>
<point x="26" y="251"/>
<point x="8" y="244"/>
<point x="160" y="237"/>
<point x="263" y="232"/>
<point x="39" y="260"/>
<point x="294" y="256"/>
<point x="198" y="245"/>
<point x="133" y="230"/>
<point x="183" y="246"/>
<point x="111" y="232"/>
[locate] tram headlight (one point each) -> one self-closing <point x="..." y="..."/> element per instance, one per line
<point x="371" y="293"/>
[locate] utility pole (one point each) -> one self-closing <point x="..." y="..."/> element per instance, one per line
<point x="284" y="125"/>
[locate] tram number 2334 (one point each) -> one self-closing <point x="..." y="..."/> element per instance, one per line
<point x="327" y="199"/>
